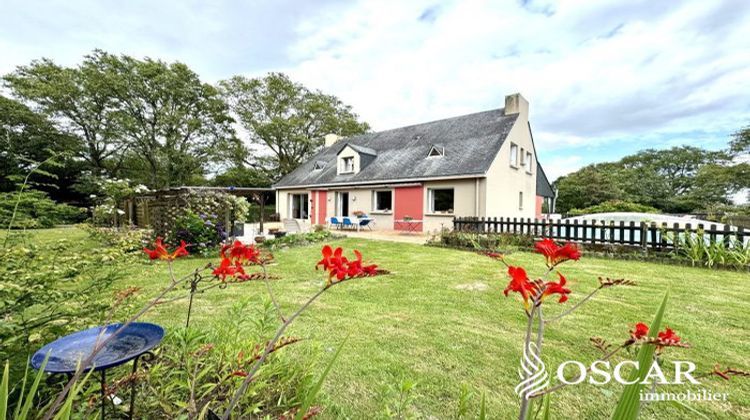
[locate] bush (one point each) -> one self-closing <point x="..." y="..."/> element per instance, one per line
<point x="612" y="206"/>
<point x="481" y="241"/>
<point x="204" y="363"/>
<point x="128" y="240"/>
<point x="299" y="239"/>
<point x="36" y="210"/>
<point x="47" y="291"/>
<point x="202" y="232"/>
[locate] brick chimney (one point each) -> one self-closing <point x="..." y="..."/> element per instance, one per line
<point x="517" y="104"/>
<point x="330" y="139"/>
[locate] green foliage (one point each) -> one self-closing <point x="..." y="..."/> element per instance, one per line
<point x="241" y="176"/>
<point x="286" y="118"/>
<point x="298" y="239"/>
<point x="128" y="240"/>
<point x="701" y="250"/>
<point x="680" y="179"/>
<point x="482" y="241"/>
<point x="36" y="210"/>
<point x="199" y="369"/>
<point x="200" y="231"/>
<point x="48" y="290"/>
<point x="629" y="403"/>
<point x="399" y="398"/>
<point x="313" y="392"/>
<point x="614" y="206"/>
<point x="214" y="207"/>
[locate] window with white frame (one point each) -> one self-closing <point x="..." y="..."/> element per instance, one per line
<point x="382" y="201"/>
<point x="347" y="165"/>
<point x="527" y="162"/>
<point x="441" y="200"/>
<point x="514" y="155"/>
<point x="520" y="200"/>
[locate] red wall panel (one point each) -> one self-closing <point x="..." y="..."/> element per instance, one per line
<point x="408" y="202"/>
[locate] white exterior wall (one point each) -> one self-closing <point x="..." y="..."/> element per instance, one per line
<point x="467" y="199"/>
<point x="504" y="182"/>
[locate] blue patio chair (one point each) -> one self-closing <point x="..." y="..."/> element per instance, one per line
<point x="347" y="223"/>
<point x="365" y="223"/>
<point x="335" y="222"/>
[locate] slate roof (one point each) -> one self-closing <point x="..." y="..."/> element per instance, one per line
<point x="471" y="143"/>
<point x="543" y="187"/>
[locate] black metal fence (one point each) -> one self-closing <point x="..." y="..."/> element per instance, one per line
<point x="642" y="234"/>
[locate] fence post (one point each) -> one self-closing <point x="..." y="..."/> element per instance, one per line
<point x="644" y="235"/>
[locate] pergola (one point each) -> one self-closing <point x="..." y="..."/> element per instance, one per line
<point x="255" y="194"/>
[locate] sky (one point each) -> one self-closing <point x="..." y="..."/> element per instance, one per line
<point x="603" y="78"/>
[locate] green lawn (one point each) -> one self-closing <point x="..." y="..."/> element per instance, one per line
<point x="419" y="324"/>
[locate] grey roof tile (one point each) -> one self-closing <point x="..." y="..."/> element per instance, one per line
<point x="471" y="143"/>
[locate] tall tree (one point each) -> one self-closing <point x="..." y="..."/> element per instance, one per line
<point x="740" y="144"/>
<point x="79" y="101"/>
<point x="286" y="119"/>
<point x="170" y="120"/>
<point x="27" y="138"/>
<point x="678" y="180"/>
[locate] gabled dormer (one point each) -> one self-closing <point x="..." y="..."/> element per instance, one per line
<point x="352" y="158"/>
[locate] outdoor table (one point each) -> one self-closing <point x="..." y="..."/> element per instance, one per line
<point x="133" y="342"/>
<point x="410" y="225"/>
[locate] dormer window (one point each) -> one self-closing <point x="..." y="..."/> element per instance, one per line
<point x="436" y="151"/>
<point x="319" y="165"/>
<point x="347" y="165"/>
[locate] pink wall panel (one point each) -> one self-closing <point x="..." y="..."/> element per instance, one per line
<point x="408" y="202"/>
<point x="322" y="202"/>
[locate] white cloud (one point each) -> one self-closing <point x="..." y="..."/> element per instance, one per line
<point x="594" y="72"/>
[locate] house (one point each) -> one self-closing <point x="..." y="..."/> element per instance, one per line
<point x="481" y="165"/>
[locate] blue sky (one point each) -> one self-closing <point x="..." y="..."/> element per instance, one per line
<point x="604" y="78"/>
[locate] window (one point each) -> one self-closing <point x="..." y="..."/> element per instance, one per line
<point x="319" y="165"/>
<point x="436" y="151"/>
<point x="347" y="165"/>
<point x="520" y="200"/>
<point x="527" y="162"/>
<point x="514" y="155"/>
<point x="383" y="201"/>
<point x="299" y="206"/>
<point x="441" y="200"/>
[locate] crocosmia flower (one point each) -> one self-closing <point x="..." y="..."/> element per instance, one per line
<point x="340" y="268"/>
<point x="520" y="283"/>
<point x="555" y="254"/>
<point x="556" y="288"/>
<point x="640" y="331"/>
<point x="668" y="338"/>
<point x="160" y="251"/>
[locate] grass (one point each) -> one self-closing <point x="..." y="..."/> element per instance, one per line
<point x="420" y="325"/>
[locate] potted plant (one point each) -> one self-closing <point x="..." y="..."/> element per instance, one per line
<point x="359" y="214"/>
<point x="408" y="218"/>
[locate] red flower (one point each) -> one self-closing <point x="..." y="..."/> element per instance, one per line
<point x="640" y="331"/>
<point x="556" y="254"/>
<point x="240" y="252"/>
<point x="667" y="338"/>
<point x="552" y="288"/>
<point x="520" y="283"/>
<point x="341" y="268"/>
<point x="229" y="268"/>
<point x="160" y="251"/>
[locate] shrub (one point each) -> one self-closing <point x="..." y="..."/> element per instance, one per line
<point x="481" y="241"/>
<point x="128" y="240"/>
<point x="47" y="291"/>
<point x="612" y="206"/>
<point x="202" y="232"/>
<point x="299" y="239"/>
<point x="36" y="210"/>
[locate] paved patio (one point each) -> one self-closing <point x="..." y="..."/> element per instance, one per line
<point x="386" y="235"/>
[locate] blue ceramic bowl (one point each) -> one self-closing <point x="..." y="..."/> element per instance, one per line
<point x="66" y="352"/>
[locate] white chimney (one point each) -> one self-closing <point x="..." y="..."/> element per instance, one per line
<point x="517" y="104"/>
<point x="330" y="139"/>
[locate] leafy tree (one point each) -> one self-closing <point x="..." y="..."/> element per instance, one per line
<point x="170" y="119"/>
<point x="740" y="143"/>
<point x="241" y="176"/>
<point x="79" y="100"/>
<point x="678" y="180"/>
<point x="287" y="119"/>
<point x="25" y="138"/>
<point x="588" y="186"/>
